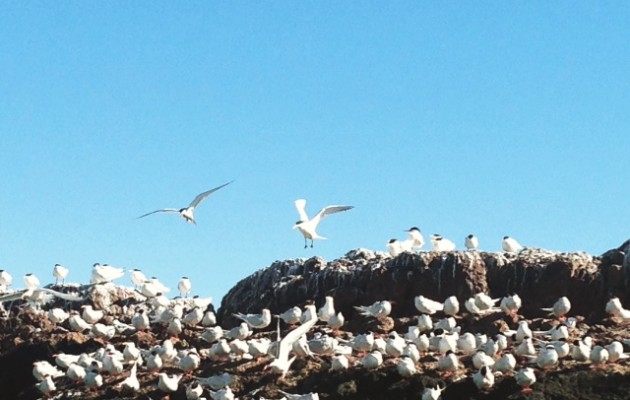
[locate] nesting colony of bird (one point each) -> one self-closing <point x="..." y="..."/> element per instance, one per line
<point x="136" y="340"/>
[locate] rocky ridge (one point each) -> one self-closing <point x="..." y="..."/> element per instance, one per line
<point x="361" y="277"/>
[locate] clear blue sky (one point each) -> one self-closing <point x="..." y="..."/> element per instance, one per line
<point x="499" y="119"/>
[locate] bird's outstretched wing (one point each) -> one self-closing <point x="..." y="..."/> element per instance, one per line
<point x="158" y="211"/>
<point x="300" y="206"/>
<point x="330" y="210"/>
<point x="12" y="296"/>
<point x="63" y="296"/>
<point x="200" y="197"/>
<point x="286" y="344"/>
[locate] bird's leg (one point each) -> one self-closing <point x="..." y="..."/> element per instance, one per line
<point x="312" y="243"/>
<point x="305" y="243"/>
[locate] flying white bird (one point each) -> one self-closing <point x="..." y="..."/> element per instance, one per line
<point x="471" y="242"/>
<point x="60" y="272"/>
<point x="510" y="245"/>
<point x="187" y="212"/>
<point x="307" y="226"/>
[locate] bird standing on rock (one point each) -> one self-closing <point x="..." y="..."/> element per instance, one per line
<point x="471" y="242"/>
<point x="258" y="321"/>
<point x="439" y="243"/>
<point x="184" y="286"/>
<point x="60" y="272"/>
<point x="510" y="245"/>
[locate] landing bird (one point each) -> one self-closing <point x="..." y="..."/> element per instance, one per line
<point x="258" y="321"/>
<point x="187" y="212"/>
<point x="510" y="245"/>
<point x="307" y="226"/>
<point x="60" y="272"/>
<point x="471" y="242"/>
<point x="439" y="243"/>
<point x="282" y="363"/>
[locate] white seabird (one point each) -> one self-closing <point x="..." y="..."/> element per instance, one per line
<point x="560" y="308"/>
<point x="60" y="272"/>
<point x="415" y="240"/>
<point x="184" y="286"/>
<point x="168" y="384"/>
<point x="5" y="279"/>
<point x="137" y="277"/>
<point x="471" y="242"/>
<point x="187" y="212"/>
<point x="31" y="281"/>
<point x="327" y="310"/>
<point x="510" y="245"/>
<point x="394" y="247"/>
<point x="258" y="321"/>
<point x="307" y="226"/>
<point x="378" y="310"/>
<point x="105" y="273"/>
<point x="439" y="243"/>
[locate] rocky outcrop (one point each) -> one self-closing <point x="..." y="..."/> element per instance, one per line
<point x="361" y="277"/>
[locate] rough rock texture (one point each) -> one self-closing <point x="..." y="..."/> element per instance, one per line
<point x="363" y="276"/>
